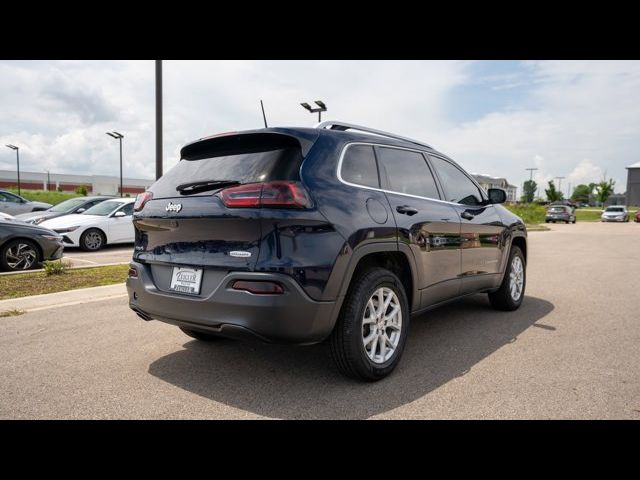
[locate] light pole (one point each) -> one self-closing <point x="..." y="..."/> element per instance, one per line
<point x="559" y="183"/>
<point x="158" y="119"/>
<point x="118" y="136"/>
<point x="17" y="149"/>
<point x="320" y="108"/>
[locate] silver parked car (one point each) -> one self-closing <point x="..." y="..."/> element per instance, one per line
<point x="560" y="213"/>
<point x="14" y="204"/>
<point x="615" y="213"/>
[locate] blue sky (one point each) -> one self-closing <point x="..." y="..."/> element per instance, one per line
<point x="578" y="119"/>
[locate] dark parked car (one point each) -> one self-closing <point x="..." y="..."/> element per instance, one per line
<point x="73" y="205"/>
<point x="560" y="213"/>
<point x="637" y="216"/>
<point x="24" y="246"/>
<point x="15" y="205"/>
<point x="337" y="232"/>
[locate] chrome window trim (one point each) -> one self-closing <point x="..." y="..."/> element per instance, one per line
<point x="366" y="187"/>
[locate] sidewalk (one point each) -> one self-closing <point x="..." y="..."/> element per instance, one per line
<point x="64" y="299"/>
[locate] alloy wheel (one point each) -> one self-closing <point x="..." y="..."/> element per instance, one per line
<point x="21" y="256"/>
<point x="382" y="325"/>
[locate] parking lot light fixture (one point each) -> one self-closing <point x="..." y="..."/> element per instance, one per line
<point x="17" y="149"/>
<point x="321" y="107"/>
<point x="118" y="136"/>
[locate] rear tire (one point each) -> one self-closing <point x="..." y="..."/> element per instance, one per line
<point x="368" y="339"/>
<point x="206" y="337"/>
<point x="92" y="240"/>
<point x="509" y="297"/>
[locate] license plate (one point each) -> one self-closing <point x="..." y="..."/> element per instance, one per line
<point x="186" y="280"/>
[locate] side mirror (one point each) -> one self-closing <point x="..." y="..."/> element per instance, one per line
<point x="497" y="195"/>
<point x="119" y="213"/>
<point x="80" y="210"/>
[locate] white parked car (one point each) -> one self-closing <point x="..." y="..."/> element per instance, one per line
<point x="105" y="223"/>
<point x="615" y="213"/>
<point x="5" y="215"/>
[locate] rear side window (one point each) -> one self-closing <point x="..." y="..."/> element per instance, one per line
<point x="458" y="188"/>
<point x="249" y="161"/>
<point x="359" y="166"/>
<point x="405" y="171"/>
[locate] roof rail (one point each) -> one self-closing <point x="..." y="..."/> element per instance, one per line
<point x="342" y="126"/>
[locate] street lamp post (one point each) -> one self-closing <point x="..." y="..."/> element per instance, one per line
<point x="320" y="108"/>
<point x="118" y="136"/>
<point x="17" y="149"/>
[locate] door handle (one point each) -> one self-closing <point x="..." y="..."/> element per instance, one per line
<point x="467" y="216"/>
<point x="406" y="210"/>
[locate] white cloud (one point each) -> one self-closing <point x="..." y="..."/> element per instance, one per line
<point x="572" y="119"/>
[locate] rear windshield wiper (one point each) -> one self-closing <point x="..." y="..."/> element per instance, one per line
<point x="204" y="186"/>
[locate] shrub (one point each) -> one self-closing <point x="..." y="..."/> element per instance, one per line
<point x="529" y="212"/>
<point x="59" y="189"/>
<point x="57" y="267"/>
<point x="81" y="190"/>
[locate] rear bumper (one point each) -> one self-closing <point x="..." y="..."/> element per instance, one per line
<point x="292" y="317"/>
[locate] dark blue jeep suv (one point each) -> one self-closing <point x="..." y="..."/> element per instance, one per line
<point x="337" y="232"/>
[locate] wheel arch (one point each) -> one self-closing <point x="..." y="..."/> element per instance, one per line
<point x="386" y="255"/>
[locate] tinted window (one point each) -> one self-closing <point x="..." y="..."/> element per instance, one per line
<point x="265" y="166"/>
<point x="405" y="171"/>
<point x="457" y="186"/>
<point x="7" y="197"/>
<point x="104" y="208"/>
<point x="359" y="166"/>
<point x="128" y="209"/>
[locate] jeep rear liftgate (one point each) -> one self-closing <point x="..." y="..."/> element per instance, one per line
<point x="206" y="211"/>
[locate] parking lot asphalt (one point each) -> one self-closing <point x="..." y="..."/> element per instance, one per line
<point x="570" y="351"/>
<point x="109" y="254"/>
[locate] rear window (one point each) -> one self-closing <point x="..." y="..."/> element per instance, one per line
<point x="557" y="209"/>
<point x="245" y="162"/>
<point x="615" y="209"/>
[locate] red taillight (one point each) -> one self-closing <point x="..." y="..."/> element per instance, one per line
<point x="258" y="288"/>
<point x="141" y="200"/>
<point x="268" y="194"/>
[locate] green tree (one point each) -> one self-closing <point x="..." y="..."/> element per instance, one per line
<point x="604" y="190"/>
<point x="581" y="193"/>
<point x="553" y="195"/>
<point x="529" y="189"/>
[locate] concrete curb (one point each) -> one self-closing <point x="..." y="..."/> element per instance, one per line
<point x="70" y="268"/>
<point x="64" y="299"/>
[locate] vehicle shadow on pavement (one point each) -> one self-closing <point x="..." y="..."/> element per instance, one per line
<point x="301" y="383"/>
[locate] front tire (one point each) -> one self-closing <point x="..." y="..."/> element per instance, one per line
<point x="19" y="255"/>
<point x="370" y="334"/>
<point x="92" y="240"/>
<point x="511" y="292"/>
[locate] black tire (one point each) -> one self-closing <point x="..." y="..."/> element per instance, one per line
<point x="206" y="337"/>
<point x="92" y="240"/>
<point x="29" y="255"/>
<point x="346" y="341"/>
<point x="502" y="299"/>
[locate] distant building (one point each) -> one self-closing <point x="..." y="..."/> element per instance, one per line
<point x="487" y="182"/>
<point x="95" y="184"/>
<point x="633" y="184"/>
